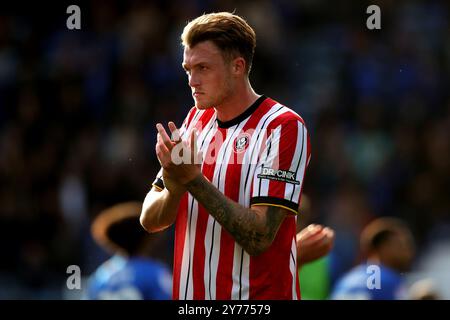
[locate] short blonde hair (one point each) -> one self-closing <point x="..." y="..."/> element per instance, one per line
<point x="229" y="32"/>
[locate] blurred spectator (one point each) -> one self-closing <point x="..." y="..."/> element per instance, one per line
<point x="133" y="272"/>
<point x="388" y="248"/>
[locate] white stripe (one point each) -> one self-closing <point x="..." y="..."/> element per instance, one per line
<point x="192" y="235"/>
<point x="222" y="155"/>
<point x="290" y="187"/>
<point x="206" y="267"/>
<point x="185" y="260"/>
<point x="207" y="131"/>
<point x="267" y="161"/>
<point x="241" y="284"/>
<point x="301" y="169"/>
<point x="293" y="268"/>
<point x="205" y="138"/>
<point x="245" y="294"/>
<point x="183" y="128"/>
<point x="215" y="259"/>
<point x="236" y="271"/>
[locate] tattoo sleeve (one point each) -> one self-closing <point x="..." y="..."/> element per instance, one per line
<point x="253" y="231"/>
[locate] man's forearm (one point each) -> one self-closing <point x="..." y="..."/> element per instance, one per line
<point x="159" y="210"/>
<point x="252" y="231"/>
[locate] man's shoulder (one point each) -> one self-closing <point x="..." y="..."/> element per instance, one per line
<point x="284" y="112"/>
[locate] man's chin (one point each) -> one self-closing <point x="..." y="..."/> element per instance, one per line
<point x="202" y="106"/>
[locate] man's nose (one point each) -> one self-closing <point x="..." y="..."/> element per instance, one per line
<point x="193" y="80"/>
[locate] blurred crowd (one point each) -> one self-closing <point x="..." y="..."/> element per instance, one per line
<point x="78" y="110"/>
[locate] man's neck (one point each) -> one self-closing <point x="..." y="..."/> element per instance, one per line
<point x="236" y="103"/>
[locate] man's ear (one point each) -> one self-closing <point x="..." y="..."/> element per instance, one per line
<point x="239" y="65"/>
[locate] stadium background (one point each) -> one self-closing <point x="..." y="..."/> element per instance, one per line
<point x="78" y="109"/>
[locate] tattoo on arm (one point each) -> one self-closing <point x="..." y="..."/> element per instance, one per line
<point x="254" y="232"/>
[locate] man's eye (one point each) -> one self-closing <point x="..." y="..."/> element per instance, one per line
<point x="203" y="68"/>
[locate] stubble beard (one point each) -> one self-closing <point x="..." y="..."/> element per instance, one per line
<point x="218" y="100"/>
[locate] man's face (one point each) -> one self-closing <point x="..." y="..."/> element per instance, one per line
<point x="210" y="76"/>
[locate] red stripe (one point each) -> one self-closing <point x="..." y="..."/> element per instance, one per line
<point x="202" y="220"/>
<point x="224" y="280"/>
<point x="204" y="119"/>
<point x="180" y="234"/>
<point x="308" y="155"/>
<point x="190" y="115"/>
<point x="270" y="274"/>
<point x="233" y="183"/>
<point x="287" y="146"/>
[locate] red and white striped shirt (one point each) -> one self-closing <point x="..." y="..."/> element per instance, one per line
<point x="258" y="158"/>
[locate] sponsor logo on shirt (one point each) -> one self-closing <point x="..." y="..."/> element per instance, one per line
<point x="278" y="175"/>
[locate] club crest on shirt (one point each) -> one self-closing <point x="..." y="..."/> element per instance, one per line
<point x="241" y="142"/>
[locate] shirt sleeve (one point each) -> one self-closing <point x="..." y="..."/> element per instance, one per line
<point x="158" y="183"/>
<point x="281" y="167"/>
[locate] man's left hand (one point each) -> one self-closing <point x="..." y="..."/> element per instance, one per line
<point x="178" y="157"/>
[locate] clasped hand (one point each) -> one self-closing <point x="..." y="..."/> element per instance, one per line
<point x="179" y="158"/>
